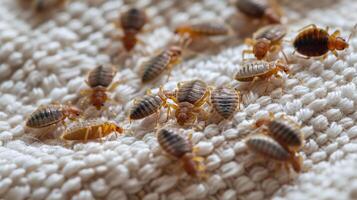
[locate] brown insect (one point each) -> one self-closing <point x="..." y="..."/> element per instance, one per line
<point x="132" y="22"/>
<point x="161" y="62"/>
<point x="189" y="97"/>
<point x="202" y="29"/>
<point x="314" y="42"/>
<point x="90" y="130"/>
<point x="225" y="101"/>
<point x="260" y="9"/>
<point x="266" y="39"/>
<point x="147" y="105"/>
<point x="253" y="70"/>
<point x="52" y="114"/>
<point x="43" y="5"/>
<point x="100" y="82"/>
<point x="181" y="148"/>
<point x="290" y="138"/>
<point x="269" y="148"/>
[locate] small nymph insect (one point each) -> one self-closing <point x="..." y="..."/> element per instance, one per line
<point x="100" y="82"/>
<point x="269" y="148"/>
<point x="132" y="22"/>
<point x="202" y="29"/>
<point x="52" y="114"/>
<point x="315" y="42"/>
<point x="90" y="130"/>
<point x="189" y="97"/>
<point x="165" y="60"/>
<point x="290" y="138"/>
<point x="260" y="9"/>
<point x="253" y="70"/>
<point x="147" y="105"/>
<point x="225" y="101"/>
<point x="266" y="39"/>
<point x="181" y="148"/>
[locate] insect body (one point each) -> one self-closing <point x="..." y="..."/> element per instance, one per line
<point x="252" y="70"/>
<point x="203" y="29"/>
<point x="266" y="39"/>
<point x="132" y="23"/>
<point x="225" y="101"/>
<point x="287" y="136"/>
<point x="43" y="5"/>
<point x="314" y="42"/>
<point x="158" y="64"/>
<point x="180" y="148"/>
<point x="90" y="130"/>
<point x="260" y="9"/>
<point x="269" y="148"/>
<point x="188" y="98"/>
<point x="100" y="81"/>
<point x="49" y="115"/>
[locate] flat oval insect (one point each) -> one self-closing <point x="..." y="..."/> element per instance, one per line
<point x="158" y="64"/>
<point x="90" y="130"/>
<point x="202" y="29"/>
<point x="287" y="136"/>
<point x="225" y="101"/>
<point x="100" y="82"/>
<point x="132" y="22"/>
<point x="269" y="148"/>
<point x="145" y="106"/>
<point x="260" y="9"/>
<point x="252" y="70"/>
<point x="314" y="42"/>
<point x="51" y="114"/>
<point x="266" y="39"/>
<point x="180" y="148"/>
<point x="188" y="98"/>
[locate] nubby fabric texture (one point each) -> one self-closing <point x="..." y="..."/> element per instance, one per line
<point x="45" y="57"/>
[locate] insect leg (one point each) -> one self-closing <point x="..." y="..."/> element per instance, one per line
<point x="86" y="134"/>
<point x="203" y="100"/>
<point x="100" y="131"/>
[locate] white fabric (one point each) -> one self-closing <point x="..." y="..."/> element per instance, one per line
<point x="42" y="61"/>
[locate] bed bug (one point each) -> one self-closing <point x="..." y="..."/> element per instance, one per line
<point x="225" y="101"/>
<point x="43" y="5"/>
<point x="181" y="148"/>
<point x="287" y="136"/>
<point x="47" y="115"/>
<point x="132" y="22"/>
<point x="202" y="29"/>
<point x="269" y="148"/>
<point x="266" y="39"/>
<point x="100" y="82"/>
<point x="253" y="70"/>
<point x="161" y="62"/>
<point x="260" y="9"/>
<point x="90" y="130"/>
<point x="147" y="105"/>
<point x="189" y="97"/>
<point x="312" y="41"/>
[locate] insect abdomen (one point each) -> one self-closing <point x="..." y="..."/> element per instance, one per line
<point x="101" y="76"/>
<point x="173" y="143"/>
<point x="45" y="117"/>
<point x="285" y="135"/>
<point x="266" y="146"/>
<point x="225" y="101"/>
<point x="252" y="69"/>
<point x="133" y="19"/>
<point x="312" y="42"/>
<point x="154" y="67"/>
<point x="252" y="8"/>
<point x="209" y="29"/>
<point x="146" y="106"/>
<point x="191" y="91"/>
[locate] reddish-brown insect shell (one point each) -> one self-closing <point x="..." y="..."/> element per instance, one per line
<point x="132" y="23"/>
<point x="158" y="64"/>
<point x="269" y="148"/>
<point x="314" y="42"/>
<point x="90" y="130"/>
<point x="225" y="101"/>
<point x="51" y="114"/>
<point x="260" y="9"/>
<point x="180" y="148"/>
<point x="145" y="106"/>
<point x="202" y="29"/>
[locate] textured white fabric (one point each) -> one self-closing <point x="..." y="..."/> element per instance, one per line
<point x="46" y="60"/>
